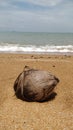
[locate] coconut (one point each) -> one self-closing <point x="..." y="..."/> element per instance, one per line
<point x="35" y="85"/>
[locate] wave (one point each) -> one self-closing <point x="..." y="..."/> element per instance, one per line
<point x="16" y="48"/>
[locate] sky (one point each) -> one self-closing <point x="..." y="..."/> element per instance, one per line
<point x="36" y="15"/>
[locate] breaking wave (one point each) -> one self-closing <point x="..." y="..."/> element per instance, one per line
<point x="16" y="48"/>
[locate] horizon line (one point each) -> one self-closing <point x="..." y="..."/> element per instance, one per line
<point x="33" y="31"/>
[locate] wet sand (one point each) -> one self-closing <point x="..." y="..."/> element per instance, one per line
<point x="55" y="114"/>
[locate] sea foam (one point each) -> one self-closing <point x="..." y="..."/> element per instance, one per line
<point x="16" y="48"/>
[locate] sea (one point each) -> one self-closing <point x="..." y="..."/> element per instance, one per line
<point x="36" y="42"/>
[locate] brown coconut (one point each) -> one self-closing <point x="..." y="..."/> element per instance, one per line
<point x="35" y="85"/>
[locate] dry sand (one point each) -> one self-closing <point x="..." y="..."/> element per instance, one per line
<point x="56" y="114"/>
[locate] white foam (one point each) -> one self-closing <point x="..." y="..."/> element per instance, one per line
<point x="13" y="48"/>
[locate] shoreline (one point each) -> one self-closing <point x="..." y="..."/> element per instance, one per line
<point x="39" y="53"/>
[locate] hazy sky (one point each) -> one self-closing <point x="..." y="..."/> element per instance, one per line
<point x="36" y="15"/>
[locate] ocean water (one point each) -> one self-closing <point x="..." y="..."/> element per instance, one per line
<point x="20" y="42"/>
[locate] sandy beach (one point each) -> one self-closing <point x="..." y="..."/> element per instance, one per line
<point x="56" y="114"/>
